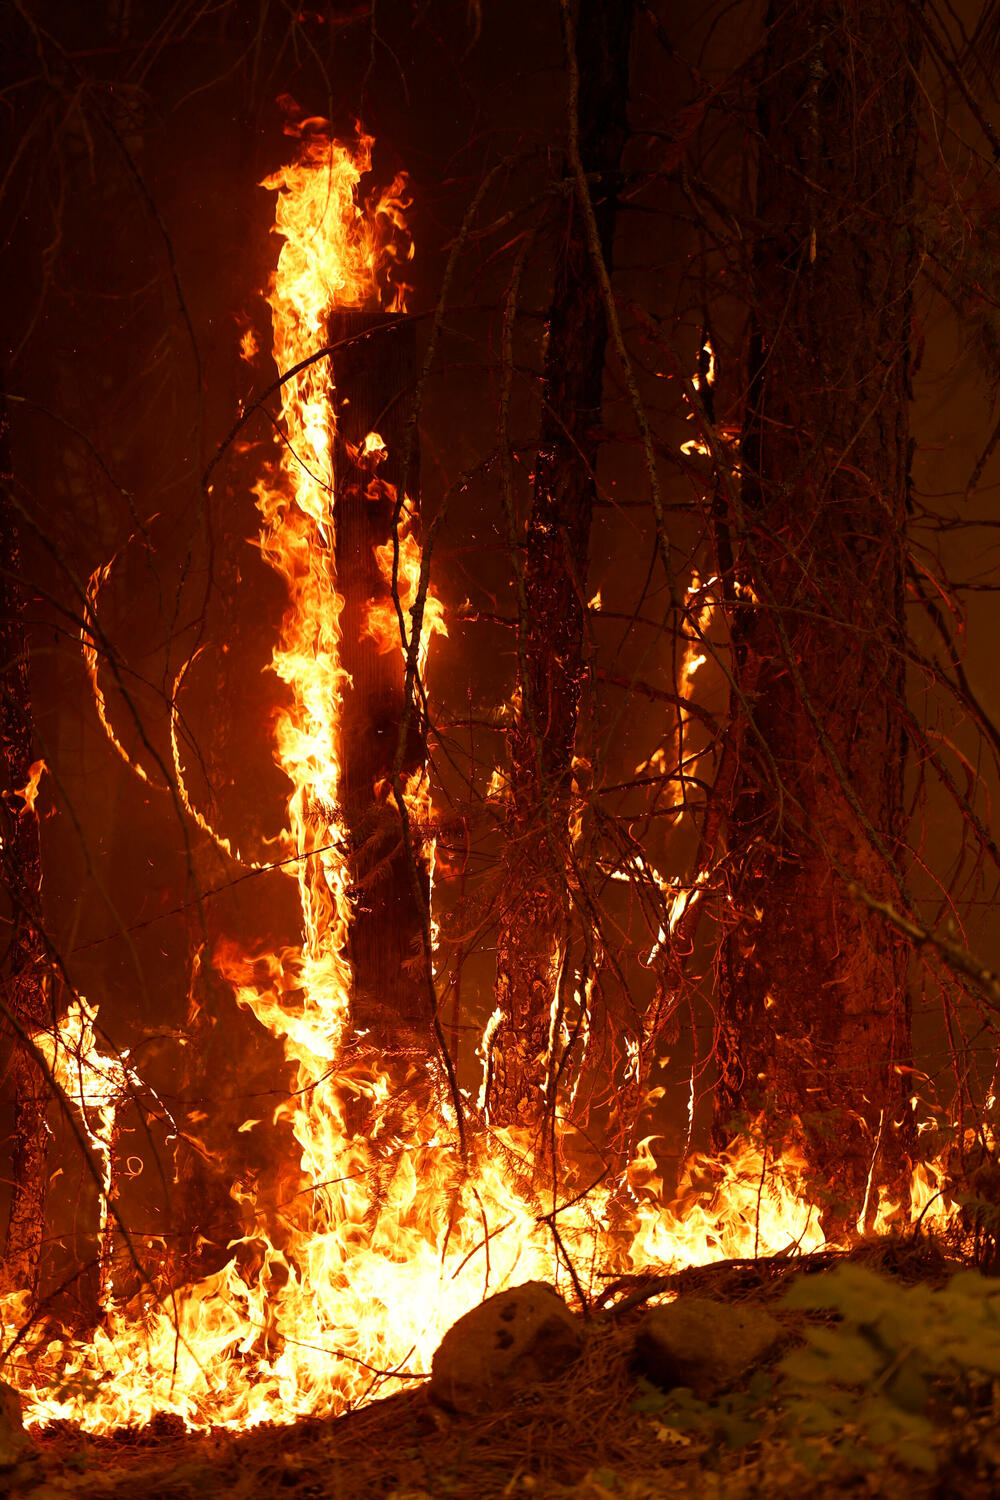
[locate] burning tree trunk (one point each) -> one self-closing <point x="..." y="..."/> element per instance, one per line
<point x="375" y="374"/>
<point x="553" y="599"/>
<point x="25" y="983"/>
<point x="813" y="1012"/>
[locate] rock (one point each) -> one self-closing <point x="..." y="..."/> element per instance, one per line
<point x="511" y="1340"/>
<point x="15" y="1444"/>
<point x="704" y="1345"/>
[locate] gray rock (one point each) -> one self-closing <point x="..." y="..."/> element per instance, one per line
<point x="15" y="1444"/>
<point x="704" y="1345"/>
<point x="511" y="1340"/>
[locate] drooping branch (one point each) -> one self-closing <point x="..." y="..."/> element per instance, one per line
<point x="813" y="1013"/>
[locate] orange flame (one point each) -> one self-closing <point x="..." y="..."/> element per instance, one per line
<point x="383" y="623"/>
<point x="29" y="792"/>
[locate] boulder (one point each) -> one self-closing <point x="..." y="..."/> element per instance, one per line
<point x="514" y="1339"/>
<point x="705" y="1345"/>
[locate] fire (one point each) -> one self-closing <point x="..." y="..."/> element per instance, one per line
<point x="97" y="1085"/>
<point x="383" y="623"/>
<point x="360" y="1251"/>
<point x="29" y="792"/>
<point x="700" y="606"/>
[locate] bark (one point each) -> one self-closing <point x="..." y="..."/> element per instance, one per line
<point x="390" y="996"/>
<point x="813" y="1011"/>
<point x="551" y="673"/>
<point x="25" y="973"/>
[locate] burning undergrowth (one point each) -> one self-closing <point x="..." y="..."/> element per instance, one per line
<point x="395" y="1206"/>
<point x="600" y="1430"/>
<point x="322" y="1322"/>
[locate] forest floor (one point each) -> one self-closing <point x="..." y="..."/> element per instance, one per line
<point x="602" y="1433"/>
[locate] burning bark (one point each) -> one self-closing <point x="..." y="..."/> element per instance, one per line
<point x="26" y="981"/>
<point x="813" y="1012"/>
<point x="536" y="923"/>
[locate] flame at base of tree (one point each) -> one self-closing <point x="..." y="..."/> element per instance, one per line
<point x="360" y="1252"/>
<point x="353" y="1306"/>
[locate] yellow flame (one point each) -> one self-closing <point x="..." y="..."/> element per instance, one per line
<point x="383" y="623"/>
<point x="29" y="792"/>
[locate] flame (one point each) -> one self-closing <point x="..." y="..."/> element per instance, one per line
<point x="708" y="356"/>
<point x="499" y="787"/>
<point x="358" y="1252"/>
<point x="716" y="1207"/>
<point x="383" y="623"/>
<point x="700" y="605"/>
<point x="29" y="792"/>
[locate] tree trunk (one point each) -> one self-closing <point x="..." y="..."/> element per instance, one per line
<point x="813" y="1011"/>
<point x="535" y="925"/>
<point x="26" y="978"/>
<point x="374" y="380"/>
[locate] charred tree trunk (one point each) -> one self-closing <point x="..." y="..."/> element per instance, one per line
<point x="551" y="670"/>
<point x="25" y="977"/>
<point x="374" y="376"/>
<point x="813" y="1011"/>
